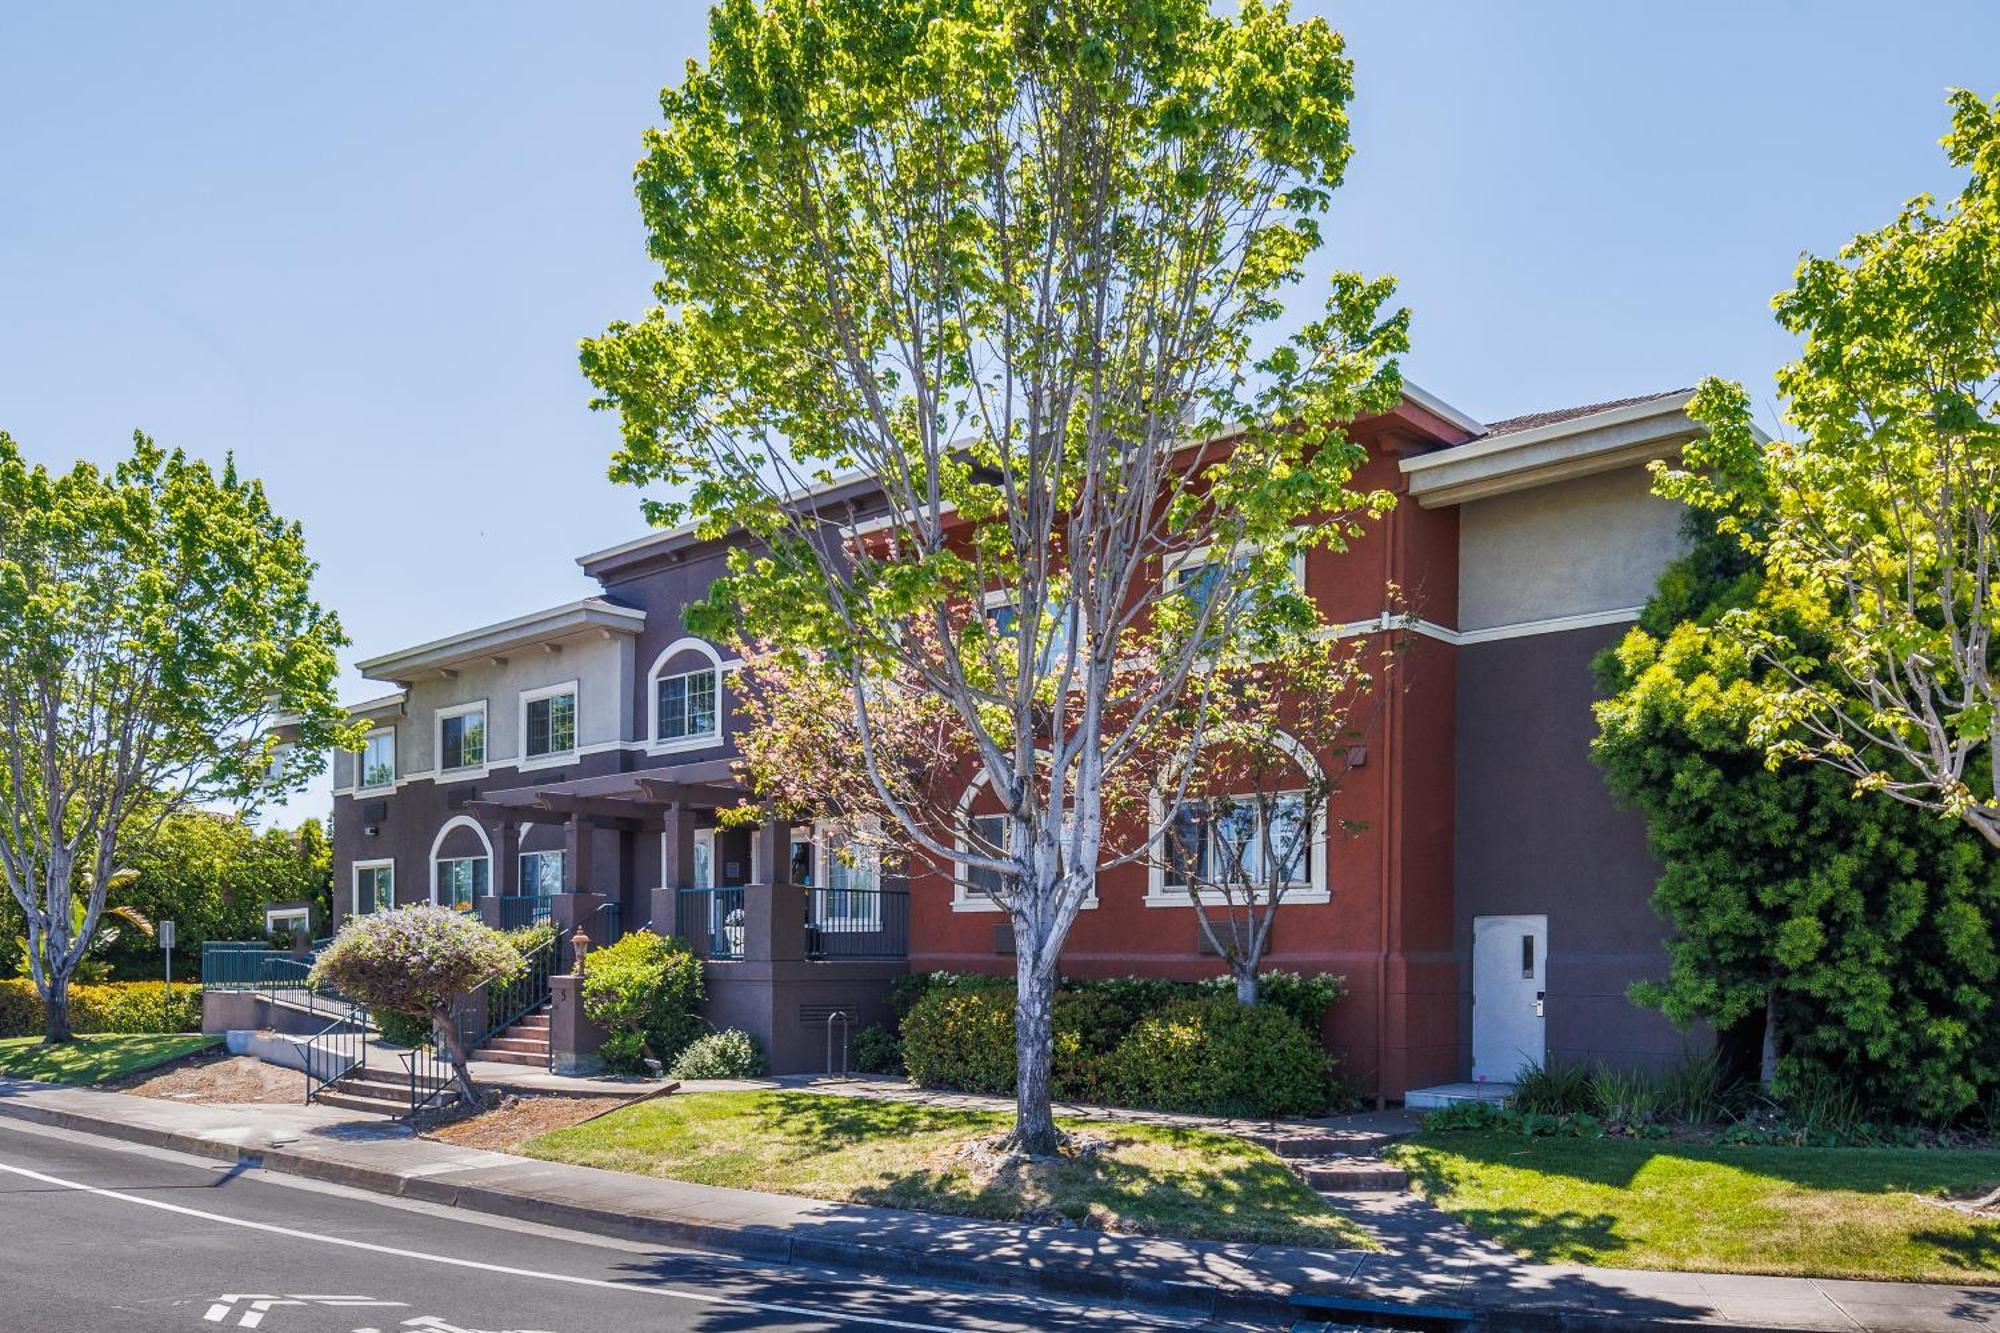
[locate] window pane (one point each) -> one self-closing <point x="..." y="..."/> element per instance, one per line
<point x="701" y="704"/>
<point x="1187" y="839"/>
<point x="475" y="738"/>
<point x="673" y="707"/>
<point x="538" y="727"/>
<point x="989" y="833"/>
<point x="1291" y="844"/>
<point x="463" y="738"/>
<point x="378" y="759"/>
<point x="562" y="723"/>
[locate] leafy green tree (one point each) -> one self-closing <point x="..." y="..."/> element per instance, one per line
<point x="159" y="645"/>
<point x="1017" y="261"/>
<point x="1875" y="628"/>
<point x="1863" y="936"/>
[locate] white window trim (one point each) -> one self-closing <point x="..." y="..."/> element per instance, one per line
<point x="653" y="743"/>
<point x="361" y="763"/>
<point x="438" y="719"/>
<point x="437" y="845"/>
<point x="387" y="863"/>
<point x="1315" y="890"/>
<point x="274" y="915"/>
<point x="965" y="898"/>
<point x="554" y="758"/>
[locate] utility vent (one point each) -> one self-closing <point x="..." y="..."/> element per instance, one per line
<point x="1003" y="938"/>
<point x="817" y="1014"/>
<point x="1201" y="945"/>
<point x="374" y="811"/>
<point x="460" y="797"/>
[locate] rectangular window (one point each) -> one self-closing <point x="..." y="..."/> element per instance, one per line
<point x="687" y="706"/>
<point x="1207" y="576"/>
<point x="1060" y="626"/>
<point x="461" y="880"/>
<point x="541" y="874"/>
<point x="1226" y="842"/>
<point x="374" y="888"/>
<point x="551" y="724"/>
<point x="462" y="738"/>
<point x="802" y="860"/>
<point x="378" y="759"/>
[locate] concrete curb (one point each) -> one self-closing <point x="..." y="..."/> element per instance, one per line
<point x="767" y="1244"/>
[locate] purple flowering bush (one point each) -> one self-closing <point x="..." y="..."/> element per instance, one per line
<point x="417" y="961"/>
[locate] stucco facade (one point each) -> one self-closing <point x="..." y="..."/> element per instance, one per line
<point x="1474" y="795"/>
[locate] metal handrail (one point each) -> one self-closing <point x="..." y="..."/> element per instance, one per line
<point x="603" y="924"/>
<point x="714" y="916"/>
<point x="516" y="999"/>
<point x="857" y="923"/>
<point x="335" y="1051"/>
<point x="525" y="909"/>
<point x="429" y="1074"/>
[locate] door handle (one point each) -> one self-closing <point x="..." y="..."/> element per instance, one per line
<point x="1538" y="1002"/>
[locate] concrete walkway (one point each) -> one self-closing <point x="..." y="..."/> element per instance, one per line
<point x="1439" y="1277"/>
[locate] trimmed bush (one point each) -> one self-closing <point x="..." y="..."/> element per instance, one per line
<point x="118" y="1006"/>
<point x="401" y="1029"/>
<point x="731" y="1053"/>
<point x="1217" y="1056"/>
<point x="962" y="1039"/>
<point x="646" y="990"/>
<point x="878" y="1051"/>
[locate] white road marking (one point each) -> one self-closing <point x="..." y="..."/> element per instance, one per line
<point x="344" y="1242"/>
<point x="225" y="1306"/>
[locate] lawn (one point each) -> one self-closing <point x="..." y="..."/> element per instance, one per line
<point x="1825" y="1212"/>
<point x="1147" y="1180"/>
<point x="96" y="1059"/>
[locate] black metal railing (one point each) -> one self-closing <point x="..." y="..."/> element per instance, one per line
<point x="504" y="1005"/>
<point x="428" y="1074"/>
<point x="711" y="921"/>
<point x="237" y="965"/>
<point x="529" y="909"/>
<point x="336" y="1050"/>
<point x="604" y="924"/>
<point x="857" y="923"/>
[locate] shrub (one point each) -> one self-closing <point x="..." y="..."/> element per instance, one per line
<point x="527" y="939"/>
<point x="1217" y="1056"/>
<point x="1554" y="1090"/>
<point x="1625" y="1097"/>
<point x="1305" y="996"/>
<point x="962" y="1039"/>
<point x="646" y="990"/>
<point x="401" y="1029"/>
<point x="1698" y="1089"/>
<point x="118" y="1006"/>
<point x="731" y="1053"/>
<point x="878" y="1051"/>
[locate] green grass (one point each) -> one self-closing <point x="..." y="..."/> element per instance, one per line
<point x="1823" y="1212"/>
<point x="1151" y="1180"/>
<point x="96" y="1059"/>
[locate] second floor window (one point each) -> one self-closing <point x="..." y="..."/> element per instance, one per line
<point x="687" y="706"/>
<point x="462" y="737"/>
<point x="551" y="724"/>
<point x="378" y="759"/>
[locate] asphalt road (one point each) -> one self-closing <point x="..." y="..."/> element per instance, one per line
<point x="102" y="1237"/>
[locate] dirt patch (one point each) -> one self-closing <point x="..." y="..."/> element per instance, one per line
<point x="510" y="1119"/>
<point x="214" y="1077"/>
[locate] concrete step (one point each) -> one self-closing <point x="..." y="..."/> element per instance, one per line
<point x="532" y="1023"/>
<point x="524" y="1045"/>
<point x="1350" y="1174"/>
<point x="533" y="1061"/>
<point x="1311" y="1143"/>
<point x="357" y="1100"/>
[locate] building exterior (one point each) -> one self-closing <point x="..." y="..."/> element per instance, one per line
<point x="1492" y="910"/>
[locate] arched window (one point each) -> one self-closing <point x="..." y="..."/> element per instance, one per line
<point x="1192" y="849"/>
<point x="684" y="698"/>
<point x="461" y="864"/>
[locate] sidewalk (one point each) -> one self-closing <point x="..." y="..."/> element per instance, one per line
<point x="1445" y="1283"/>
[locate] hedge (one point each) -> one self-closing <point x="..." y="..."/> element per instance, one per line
<point x="1135" y="1042"/>
<point x="119" y="1006"/>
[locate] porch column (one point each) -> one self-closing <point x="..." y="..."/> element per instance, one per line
<point x="507" y="875"/>
<point x="579" y="841"/>
<point x="775" y="912"/>
<point x="676" y="866"/>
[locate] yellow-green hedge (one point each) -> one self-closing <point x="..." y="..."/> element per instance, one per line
<point x="119" y="1006"/>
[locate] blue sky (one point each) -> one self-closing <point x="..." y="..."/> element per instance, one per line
<point x="357" y="244"/>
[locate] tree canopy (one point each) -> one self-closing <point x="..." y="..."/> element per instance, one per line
<point x="1875" y="521"/>
<point x="160" y="647"/>
<point x="1018" y="264"/>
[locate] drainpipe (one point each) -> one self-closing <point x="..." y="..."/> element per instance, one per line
<point x="1392" y="568"/>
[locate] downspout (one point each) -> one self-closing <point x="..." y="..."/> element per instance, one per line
<point x="1392" y="563"/>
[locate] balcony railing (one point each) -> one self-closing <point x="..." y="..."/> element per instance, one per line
<point x="251" y="965"/>
<point x="711" y="920"/>
<point x="525" y="910"/>
<point x="857" y="923"/>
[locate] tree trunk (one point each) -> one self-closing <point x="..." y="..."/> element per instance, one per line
<point x="1246" y="985"/>
<point x="1034" y="1048"/>
<point x="1767" y="1064"/>
<point x="447" y="1025"/>
<point x="55" y="1010"/>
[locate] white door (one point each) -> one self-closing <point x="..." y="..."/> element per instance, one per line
<point x="1509" y="986"/>
<point x="704" y="859"/>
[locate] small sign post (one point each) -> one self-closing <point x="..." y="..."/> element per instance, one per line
<point x="165" y="934"/>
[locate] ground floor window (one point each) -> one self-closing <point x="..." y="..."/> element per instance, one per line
<point x="374" y="886"/>
<point x="460" y="881"/>
<point x="541" y="874"/>
<point x="1240" y="841"/>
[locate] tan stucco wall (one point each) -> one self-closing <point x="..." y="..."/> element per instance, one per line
<point x="1594" y="544"/>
